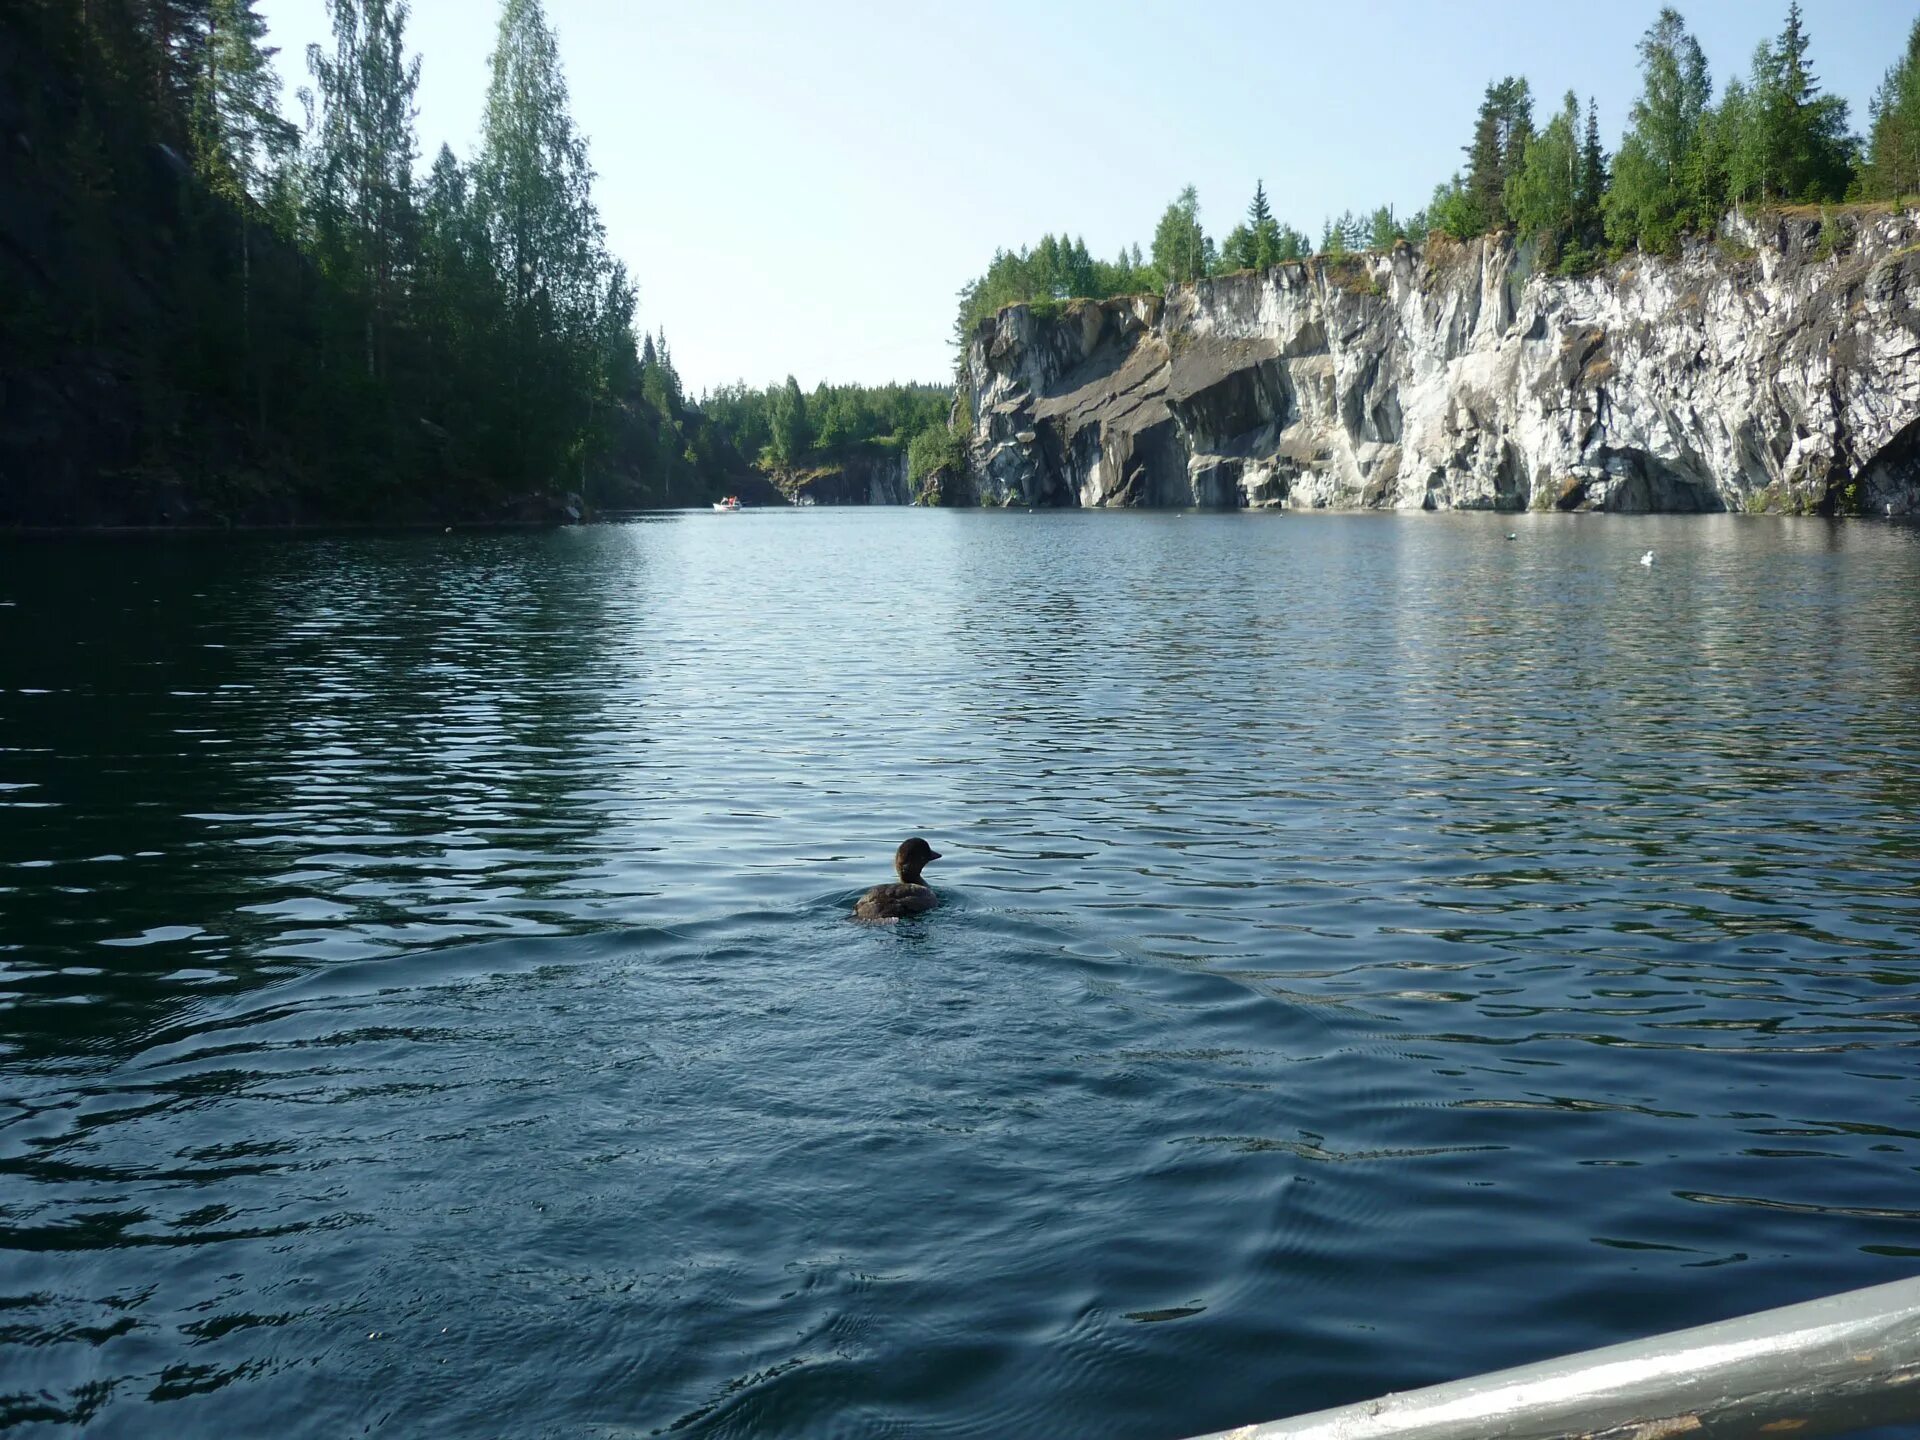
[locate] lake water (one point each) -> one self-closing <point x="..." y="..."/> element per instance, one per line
<point x="1374" y="951"/>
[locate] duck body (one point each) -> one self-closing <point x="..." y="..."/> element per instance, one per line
<point x="909" y="896"/>
<point x="891" y="902"/>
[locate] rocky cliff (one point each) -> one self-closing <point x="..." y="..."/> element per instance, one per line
<point x="865" y="474"/>
<point x="1771" y="369"/>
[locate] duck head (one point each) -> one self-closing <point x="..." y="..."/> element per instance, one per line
<point x="912" y="856"/>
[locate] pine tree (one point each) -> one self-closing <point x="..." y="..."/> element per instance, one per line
<point x="238" y="133"/>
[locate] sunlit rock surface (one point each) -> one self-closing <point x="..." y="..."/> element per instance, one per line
<point x="1757" y="372"/>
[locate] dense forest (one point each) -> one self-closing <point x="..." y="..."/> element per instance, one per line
<point x="1684" y="162"/>
<point x="209" y="314"/>
<point x="213" y="315"/>
<point x="783" y="427"/>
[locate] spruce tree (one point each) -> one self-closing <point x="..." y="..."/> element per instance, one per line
<point x="1259" y="213"/>
<point x="1593" y="175"/>
<point x="1262" y="246"/>
<point x="1500" y="135"/>
<point x="1803" y="142"/>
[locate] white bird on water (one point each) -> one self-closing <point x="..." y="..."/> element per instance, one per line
<point x="1647" y="559"/>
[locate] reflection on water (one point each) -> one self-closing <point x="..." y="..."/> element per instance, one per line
<point x="1375" y="952"/>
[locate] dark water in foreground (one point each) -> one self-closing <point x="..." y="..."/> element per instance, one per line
<point x="1376" y="952"/>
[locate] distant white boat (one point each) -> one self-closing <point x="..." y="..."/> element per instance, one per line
<point x="1647" y="559"/>
<point x="732" y="502"/>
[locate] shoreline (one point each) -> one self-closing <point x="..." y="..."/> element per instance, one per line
<point x="310" y="530"/>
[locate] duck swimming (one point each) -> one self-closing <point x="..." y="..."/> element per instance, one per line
<point x="910" y="896"/>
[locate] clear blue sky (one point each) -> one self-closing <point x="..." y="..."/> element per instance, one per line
<point x="802" y="188"/>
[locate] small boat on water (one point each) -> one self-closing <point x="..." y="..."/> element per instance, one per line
<point x="732" y="502"/>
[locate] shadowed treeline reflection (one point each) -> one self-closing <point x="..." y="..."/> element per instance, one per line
<point x="1375" y="952"/>
<point x="226" y="759"/>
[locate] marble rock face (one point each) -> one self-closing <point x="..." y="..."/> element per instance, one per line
<point x="1755" y="372"/>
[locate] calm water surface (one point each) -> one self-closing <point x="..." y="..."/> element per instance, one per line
<point x="1375" y="952"/>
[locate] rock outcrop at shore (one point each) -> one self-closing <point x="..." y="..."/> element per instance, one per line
<point x="854" y="475"/>
<point x="1771" y="369"/>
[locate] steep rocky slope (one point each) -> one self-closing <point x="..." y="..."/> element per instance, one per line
<point x="1756" y="372"/>
<point x="852" y="475"/>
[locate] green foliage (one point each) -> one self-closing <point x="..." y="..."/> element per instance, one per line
<point x="791" y="435"/>
<point x="1054" y="270"/>
<point x="1656" y="190"/>
<point x="1383" y="231"/>
<point x="1543" y="195"/>
<point x="1500" y="135"/>
<point x="933" y="449"/>
<point x="1776" y="138"/>
<point x="1181" y="249"/>
<point x="360" y="197"/>
<point x="1262" y="240"/>
<point x="1555" y="196"/>
<point x="1773" y="138"/>
<point x="1455" y="210"/>
<point x="1834" y="236"/>
<point x="1893" y="155"/>
<point x="238" y="135"/>
<point x="309" y="309"/>
<point x="1593" y="171"/>
<point x="788" y="428"/>
<point x="1351" y="233"/>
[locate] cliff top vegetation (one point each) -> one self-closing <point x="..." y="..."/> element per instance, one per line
<point x="1773" y="139"/>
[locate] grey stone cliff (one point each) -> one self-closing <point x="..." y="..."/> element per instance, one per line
<point x="854" y="475"/>
<point x="1756" y="372"/>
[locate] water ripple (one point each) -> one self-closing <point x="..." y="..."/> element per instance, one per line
<point x="1374" y="952"/>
